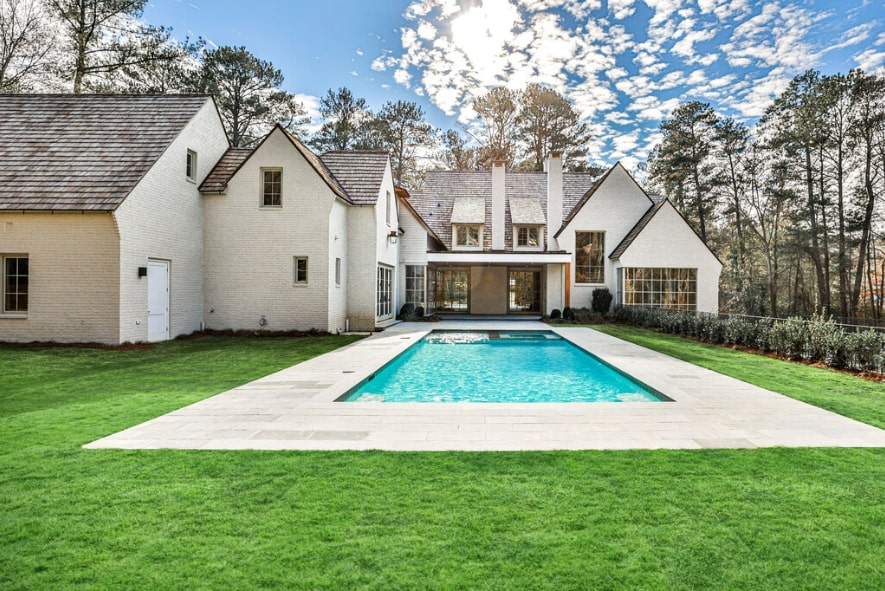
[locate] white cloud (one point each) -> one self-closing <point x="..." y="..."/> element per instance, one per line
<point x="621" y="9"/>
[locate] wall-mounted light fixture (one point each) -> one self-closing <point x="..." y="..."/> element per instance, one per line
<point x="392" y="236"/>
<point x="142" y="271"/>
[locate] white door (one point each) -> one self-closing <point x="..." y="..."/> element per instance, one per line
<point x="158" y="301"/>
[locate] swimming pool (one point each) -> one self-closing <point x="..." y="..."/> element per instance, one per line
<point x="492" y="366"/>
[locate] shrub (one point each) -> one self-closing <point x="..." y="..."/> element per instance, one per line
<point x="419" y="311"/>
<point x="866" y="349"/>
<point x="568" y="314"/>
<point x="407" y="310"/>
<point x="601" y="301"/>
<point x="555" y="314"/>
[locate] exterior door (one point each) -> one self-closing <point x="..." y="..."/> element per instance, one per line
<point x="158" y="300"/>
<point x="524" y="291"/>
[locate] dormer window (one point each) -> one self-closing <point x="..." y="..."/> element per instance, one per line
<point x="528" y="237"/>
<point x="468" y="236"/>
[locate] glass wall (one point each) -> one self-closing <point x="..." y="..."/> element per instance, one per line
<point x="659" y="287"/>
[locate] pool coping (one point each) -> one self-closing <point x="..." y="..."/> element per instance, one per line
<point x="296" y="409"/>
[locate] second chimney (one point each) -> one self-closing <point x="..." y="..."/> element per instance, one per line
<point x="499" y="196"/>
<point x="554" y="198"/>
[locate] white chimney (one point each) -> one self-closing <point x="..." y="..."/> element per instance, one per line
<point x="554" y="198"/>
<point x="499" y="193"/>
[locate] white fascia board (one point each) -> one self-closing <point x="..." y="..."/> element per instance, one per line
<point x="504" y="258"/>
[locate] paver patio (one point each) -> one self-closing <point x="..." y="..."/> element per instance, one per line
<point x="295" y="409"/>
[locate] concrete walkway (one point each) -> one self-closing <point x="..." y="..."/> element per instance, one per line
<point x="295" y="409"/>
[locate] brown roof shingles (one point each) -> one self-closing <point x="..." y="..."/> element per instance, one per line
<point x="435" y="200"/>
<point x="83" y="152"/>
<point x="230" y="162"/>
<point x="360" y="173"/>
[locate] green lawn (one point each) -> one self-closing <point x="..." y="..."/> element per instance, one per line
<point x="108" y="519"/>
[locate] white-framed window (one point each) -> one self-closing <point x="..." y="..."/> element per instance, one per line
<point x="191" y="166"/>
<point x="271" y="187"/>
<point x="659" y="287"/>
<point x="415" y="285"/>
<point x="385" y="291"/>
<point x="300" y="270"/>
<point x="528" y="237"/>
<point x="589" y="257"/>
<point x="15" y="284"/>
<point x="389" y="202"/>
<point x="338" y="272"/>
<point x="468" y="236"/>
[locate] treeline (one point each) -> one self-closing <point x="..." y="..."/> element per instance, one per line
<point x="792" y="206"/>
<point x="82" y="46"/>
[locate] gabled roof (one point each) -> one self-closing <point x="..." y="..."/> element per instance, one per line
<point x="434" y="202"/>
<point x="84" y="152"/>
<point x="404" y="197"/>
<point x="621" y="248"/>
<point x="360" y="173"/>
<point x="355" y="177"/>
<point x="586" y="197"/>
<point x="217" y="179"/>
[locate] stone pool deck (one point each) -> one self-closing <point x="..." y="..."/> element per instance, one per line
<point x="295" y="409"/>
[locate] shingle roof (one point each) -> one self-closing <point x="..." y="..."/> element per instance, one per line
<point x="216" y="181"/>
<point x="469" y="210"/>
<point x="434" y="201"/>
<point x="318" y="165"/>
<point x="83" y="152"/>
<point x="621" y="248"/>
<point x="360" y="173"/>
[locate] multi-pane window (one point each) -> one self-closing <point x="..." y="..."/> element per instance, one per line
<point x="15" y="284"/>
<point x="301" y="270"/>
<point x="415" y="278"/>
<point x="589" y="257"/>
<point x="191" y="166"/>
<point x="528" y="236"/>
<point x="450" y="291"/>
<point x="271" y="187"/>
<point x="385" y="291"/>
<point x="468" y="236"/>
<point x="676" y="289"/>
<point x="337" y="271"/>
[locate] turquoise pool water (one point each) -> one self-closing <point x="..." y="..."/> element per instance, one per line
<point x="490" y="366"/>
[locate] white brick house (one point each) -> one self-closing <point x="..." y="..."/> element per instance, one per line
<point x="294" y="241"/>
<point x="100" y="212"/>
<point x="130" y="218"/>
<point x="528" y="243"/>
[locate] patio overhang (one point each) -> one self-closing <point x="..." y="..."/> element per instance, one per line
<point x="498" y="258"/>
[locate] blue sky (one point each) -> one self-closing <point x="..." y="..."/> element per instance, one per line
<point x="625" y="64"/>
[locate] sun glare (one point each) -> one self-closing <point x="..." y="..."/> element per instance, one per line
<point x="482" y="33"/>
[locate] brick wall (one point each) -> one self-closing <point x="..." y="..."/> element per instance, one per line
<point x="163" y="219"/>
<point x="73" y="276"/>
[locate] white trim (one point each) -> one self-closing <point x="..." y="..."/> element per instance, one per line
<point x="507" y="258"/>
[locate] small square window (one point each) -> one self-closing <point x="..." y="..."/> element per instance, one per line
<point x="468" y="236"/>
<point x="271" y="187"/>
<point x="301" y="270"/>
<point x="528" y="236"/>
<point x="191" y="168"/>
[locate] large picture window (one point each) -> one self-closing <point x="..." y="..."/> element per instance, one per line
<point x="589" y="257"/>
<point x="15" y="284"/>
<point x="676" y="289"/>
<point x="415" y="281"/>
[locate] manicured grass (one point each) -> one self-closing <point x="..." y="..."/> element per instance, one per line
<point x="110" y="519"/>
<point x="842" y="393"/>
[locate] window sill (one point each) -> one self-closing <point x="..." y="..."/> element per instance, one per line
<point x="14" y="315"/>
<point x="270" y="207"/>
<point x="304" y="284"/>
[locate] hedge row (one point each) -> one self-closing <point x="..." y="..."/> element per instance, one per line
<point x="814" y="340"/>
